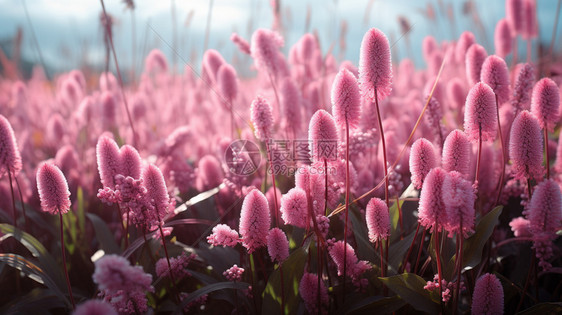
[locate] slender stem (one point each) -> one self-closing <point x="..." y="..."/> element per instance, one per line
<point x="551" y="46"/>
<point x="22" y="203"/>
<point x="527" y="281"/>
<point x="546" y="150"/>
<point x="460" y="237"/>
<point x="479" y="155"/>
<point x="282" y="289"/>
<point x="410" y="249"/>
<point x="400" y="217"/>
<point x="420" y="250"/>
<point x="208" y="27"/>
<point x="168" y="260"/>
<point x="325" y="186"/>
<point x="529" y="50"/>
<point x="383" y="142"/>
<point x="500" y="189"/>
<point x="319" y="278"/>
<point x="438" y="257"/>
<point x="64" y="261"/>
<point x="273" y="185"/>
<point x="382" y="258"/>
<point x="346" y="204"/>
<point x="13" y="199"/>
<point x="127" y="230"/>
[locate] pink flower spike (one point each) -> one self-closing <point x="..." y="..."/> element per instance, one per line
<point x="465" y="41"/>
<point x="212" y="61"/>
<point x="488" y="296"/>
<point x="179" y="266"/>
<point x="130" y="162"/>
<point x="514" y="14"/>
<point x="375" y="66"/>
<point x="321" y="133"/>
<point x="156" y="191"/>
<point x="107" y="154"/>
<point x="262" y="118"/>
<point x="308" y="290"/>
<point x="524" y="82"/>
<point x="223" y="235"/>
<point x="378" y="221"/>
<point x="354" y="267"/>
<point x="264" y="48"/>
<point x="277" y="245"/>
<point x="496" y="75"/>
<point x="422" y="159"/>
<point x="10" y="159"/>
<point x="521" y="227"/>
<point x="156" y="62"/>
<point x="53" y="189"/>
<point x="346" y="101"/>
<point x="475" y="57"/>
<point x="227" y="80"/>
<point x="94" y="307"/>
<point x="242" y="44"/>
<point x="291" y="105"/>
<point x="480" y="113"/>
<point x="503" y="38"/>
<point x="254" y="220"/>
<point x="530" y="27"/>
<point x="526" y="147"/>
<point x="294" y="207"/>
<point x="432" y="209"/>
<point x="233" y="273"/>
<point x="460" y="197"/>
<point x="456" y="153"/>
<point x="545" y="103"/>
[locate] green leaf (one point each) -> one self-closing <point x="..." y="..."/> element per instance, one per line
<point x="543" y="308"/>
<point x="394" y="221"/>
<point x="377" y="305"/>
<point x="45" y="261"/>
<point x="103" y="235"/>
<point x="33" y="271"/>
<point x="473" y="246"/>
<point x="209" y="289"/>
<point x="293" y="269"/>
<point x="398" y="250"/>
<point x="409" y="287"/>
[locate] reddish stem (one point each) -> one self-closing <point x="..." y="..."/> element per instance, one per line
<point x="410" y="249"/>
<point x="64" y="261"/>
<point x="169" y="265"/>
<point x="273" y="184"/>
<point x="420" y="250"/>
<point x="346" y="204"/>
<point x="500" y="189"/>
<point x="13" y="199"/>
<point x="22" y="203"/>
<point x="438" y="257"/>
<point x="546" y="150"/>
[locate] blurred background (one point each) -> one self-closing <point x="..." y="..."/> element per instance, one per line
<point x="68" y="34"/>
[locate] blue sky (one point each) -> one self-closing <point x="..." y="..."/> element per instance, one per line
<point x="69" y="33"/>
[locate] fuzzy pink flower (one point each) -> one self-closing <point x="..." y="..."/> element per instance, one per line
<point x="308" y="290"/>
<point x="346" y="100"/>
<point x="212" y="61"/>
<point x="264" y="48"/>
<point x="294" y="207"/>
<point x="254" y="220"/>
<point x="107" y="154"/>
<point x="429" y="45"/>
<point x="526" y="147"/>
<point x="209" y="173"/>
<point x="157" y="196"/>
<point x="480" y="113"/>
<point x="460" y="197"/>
<point x="545" y="102"/>
<point x="241" y="43"/>
<point x="322" y="133"/>
<point x="496" y="75"/>
<point x="180" y="136"/>
<point x="432" y="209"/>
<point x="130" y="162"/>
<point x="456" y="153"/>
<point x="108" y="109"/>
<point x="233" y="273"/>
<point x="290" y="99"/>
<point x="514" y="14"/>
<point x="156" y="62"/>
<point x="277" y="245"/>
<point x="10" y="159"/>
<point x="463" y="44"/>
<point x="53" y="189"/>
<point x="375" y="66"/>
<point x="545" y="216"/>
<point x="223" y="235"/>
<point x="530" y="26"/>
<point x="475" y="57"/>
<point x="524" y="82"/>
<point x="94" y="307"/>
<point x="67" y="159"/>
<point x="488" y="296"/>
<point x="261" y="117"/>
<point x="456" y="94"/>
<point x="503" y="38"/>
<point x="227" y="81"/>
<point x="355" y="267"/>
<point x="179" y="266"/>
<point x="378" y="221"/>
<point x="422" y="159"/>
<point x="521" y="227"/>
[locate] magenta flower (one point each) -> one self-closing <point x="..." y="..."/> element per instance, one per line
<point x="157" y="197"/>
<point x="480" y="113"/>
<point x="475" y="57"/>
<point x="375" y="66"/>
<point x="261" y="117"/>
<point x="463" y="44"/>
<point x="178" y="265"/>
<point x="432" y="212"/>
<point x="355" y="267"/>
<point x="241" y="43"/>
<point x="308" y="290"/>
<point x="503" y="38"/>
<point x="233" y="273"/>
<point x="525" y="147"/>
<point x="209" y="173"/>
<point x="488" y="296"/>
<point x="322" y="133"/>
<point x="457" y="151"/>
<point x="378" y="221"/>
<point x="545" y="103"/>
<point x="277" y="245"/>
<point x="223" y="235"/>
<point x="422" y="159"/>
<point x="521" y="227"/>
<point x="94" y="307"/>
<point x="53" y="189"/>
<point x="264" y="49"/>
<point x="460" y="197"/>
<point x="524" y="82"/>
<point x="254" y="220"/>
<point x="212" y="61"/>
<point x="227" y="81"/>
<point x="294" y="207"/>
<point x="290" y="99"/>
<point x="530" y="27"/>
<point x="346" y="100"/>
<point x="130" y="162"/>
<point x="10" y="159"/>
<point x="514" y="14"/>
<point x="108" y="158"/>
<point x="156" y="62"/>
<point x="496" y="75"/>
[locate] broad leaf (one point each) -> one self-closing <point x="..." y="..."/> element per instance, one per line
<point x="103" y="235"/>
<point x="376" y="305"/>
<point x="473" y="246"/>
<point x="409" y="287"/>
<point x="209" y="289"/>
